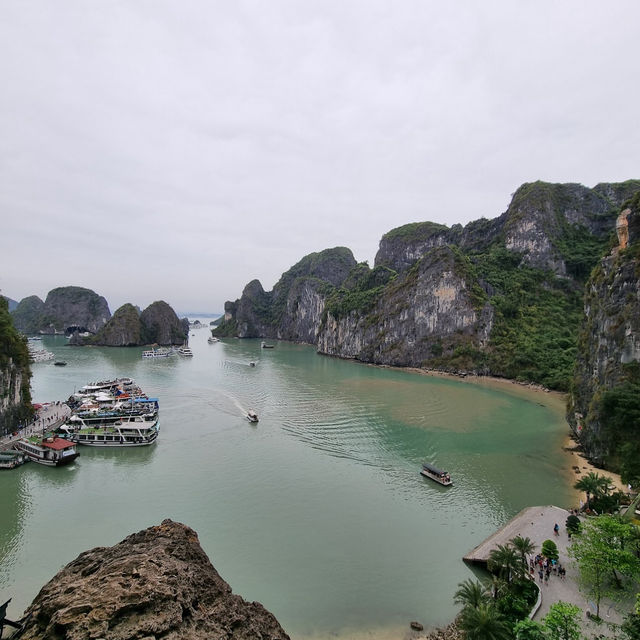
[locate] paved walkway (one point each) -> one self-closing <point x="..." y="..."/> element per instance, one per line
<point x="49" y="417"/>
<point x="537" y="524"/>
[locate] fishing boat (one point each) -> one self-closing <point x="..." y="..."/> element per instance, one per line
<point x="50" y="451"/>
<point x="252" y="416"/>
<point x="442" y="477"/>
<point x="264" y="345"/>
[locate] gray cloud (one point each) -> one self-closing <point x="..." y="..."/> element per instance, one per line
<point x="178" y="150"/>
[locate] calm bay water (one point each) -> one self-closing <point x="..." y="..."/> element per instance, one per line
<point x="319" y="511"/>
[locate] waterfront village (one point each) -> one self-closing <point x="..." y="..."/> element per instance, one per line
<point x="110" y="413"/>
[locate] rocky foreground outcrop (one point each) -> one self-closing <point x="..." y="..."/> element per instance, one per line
<point x="157" y="583"/>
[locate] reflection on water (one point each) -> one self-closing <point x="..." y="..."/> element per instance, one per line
<point x="319" y="511"/>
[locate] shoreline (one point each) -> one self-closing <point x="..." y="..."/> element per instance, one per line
<point x="578" y="460"/>
<point x="554" y="399"/>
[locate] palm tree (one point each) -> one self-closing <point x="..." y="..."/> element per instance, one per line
<point x="523" y="546"/>
<point x="484" y="622"/>
<point x="505" y="561"/>
<point x="591" y="484"/>
<point x="471" y="593"/>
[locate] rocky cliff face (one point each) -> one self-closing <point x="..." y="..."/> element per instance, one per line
<point x="26" y="315"/>
<point x="122" y="330"/>
<point x="15" y="374"/>
<point x="293" y="310"/>
<point x="160" y="325"/>
<point x="157" y="583"/>
<point x="65" y="309"/>
<point x="427" y="312"/>
<point x="498" y="296"/>
<point x="609" y="347"/>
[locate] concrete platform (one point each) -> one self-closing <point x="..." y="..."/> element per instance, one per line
<point x="535" y="523"/>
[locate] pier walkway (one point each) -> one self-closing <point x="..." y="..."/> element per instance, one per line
<point x="537" y="524"/>
<point x="49" y="417"/>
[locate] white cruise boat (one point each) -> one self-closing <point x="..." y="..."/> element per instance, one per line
<point x="50" y="451"/>
<point x="185" y="351"/>
<point x="162" y="352"/>
<point x="134" y="432"/>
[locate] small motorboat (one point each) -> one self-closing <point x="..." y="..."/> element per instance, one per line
<point x="441" y="477"/>
<point x="252" y="416"/>
<point x="264" y="345"/>
<point x="252" y="364"/>
<point x="60" y="363"/>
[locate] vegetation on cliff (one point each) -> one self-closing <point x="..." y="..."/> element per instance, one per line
<point x="604" y="408"/>
<point x="15" y="373"/>
<point x="65" y="308"/>
<point x="122" y="330"/>
<point x="26" y="315"/>
<point x="500" y="297"/>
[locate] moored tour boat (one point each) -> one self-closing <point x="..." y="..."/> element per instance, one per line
<point x="50" y="451"/>
<point x="130" y="433"/>
<point x="442" y="477"/>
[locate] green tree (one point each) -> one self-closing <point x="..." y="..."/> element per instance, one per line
<point x="593" y="485"/>
<point x="573" y="524"/>
<point x="630" y="464"/>
<point x="603" y="553"/>
<point x="471" y="593"/>
<point x="484" y="623"/>
<point x="550" y="550"/>
<point x="523" y="547"/>
<point x="529" y="630"/>
<point x="505" y="562"/>
<point x="562" y="621"/>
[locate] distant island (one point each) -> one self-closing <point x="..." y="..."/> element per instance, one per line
<point x="84" y="315"/>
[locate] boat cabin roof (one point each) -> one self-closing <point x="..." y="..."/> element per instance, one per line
<point x="430" y="467"/>
<point x="58" y="444"/>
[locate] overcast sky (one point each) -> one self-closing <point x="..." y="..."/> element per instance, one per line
<point x="177" y="149"/>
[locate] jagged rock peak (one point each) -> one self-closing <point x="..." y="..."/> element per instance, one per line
<point x="157" y="583"/>
<point x="607" y="374"/>
<point x="402" y="246"/>
<point x="27" y="314"/>
<point x="331" y="265"/>
<point x="161" y="325"/>
<point x="73" y="307"/>
<point x="122" y="330"/>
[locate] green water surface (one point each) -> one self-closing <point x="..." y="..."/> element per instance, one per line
<point x="319" y="511"/>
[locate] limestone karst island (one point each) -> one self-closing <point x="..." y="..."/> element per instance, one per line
<point x="445" y="443"/>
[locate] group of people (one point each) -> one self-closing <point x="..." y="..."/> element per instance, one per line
<point x="546" y="567"/>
